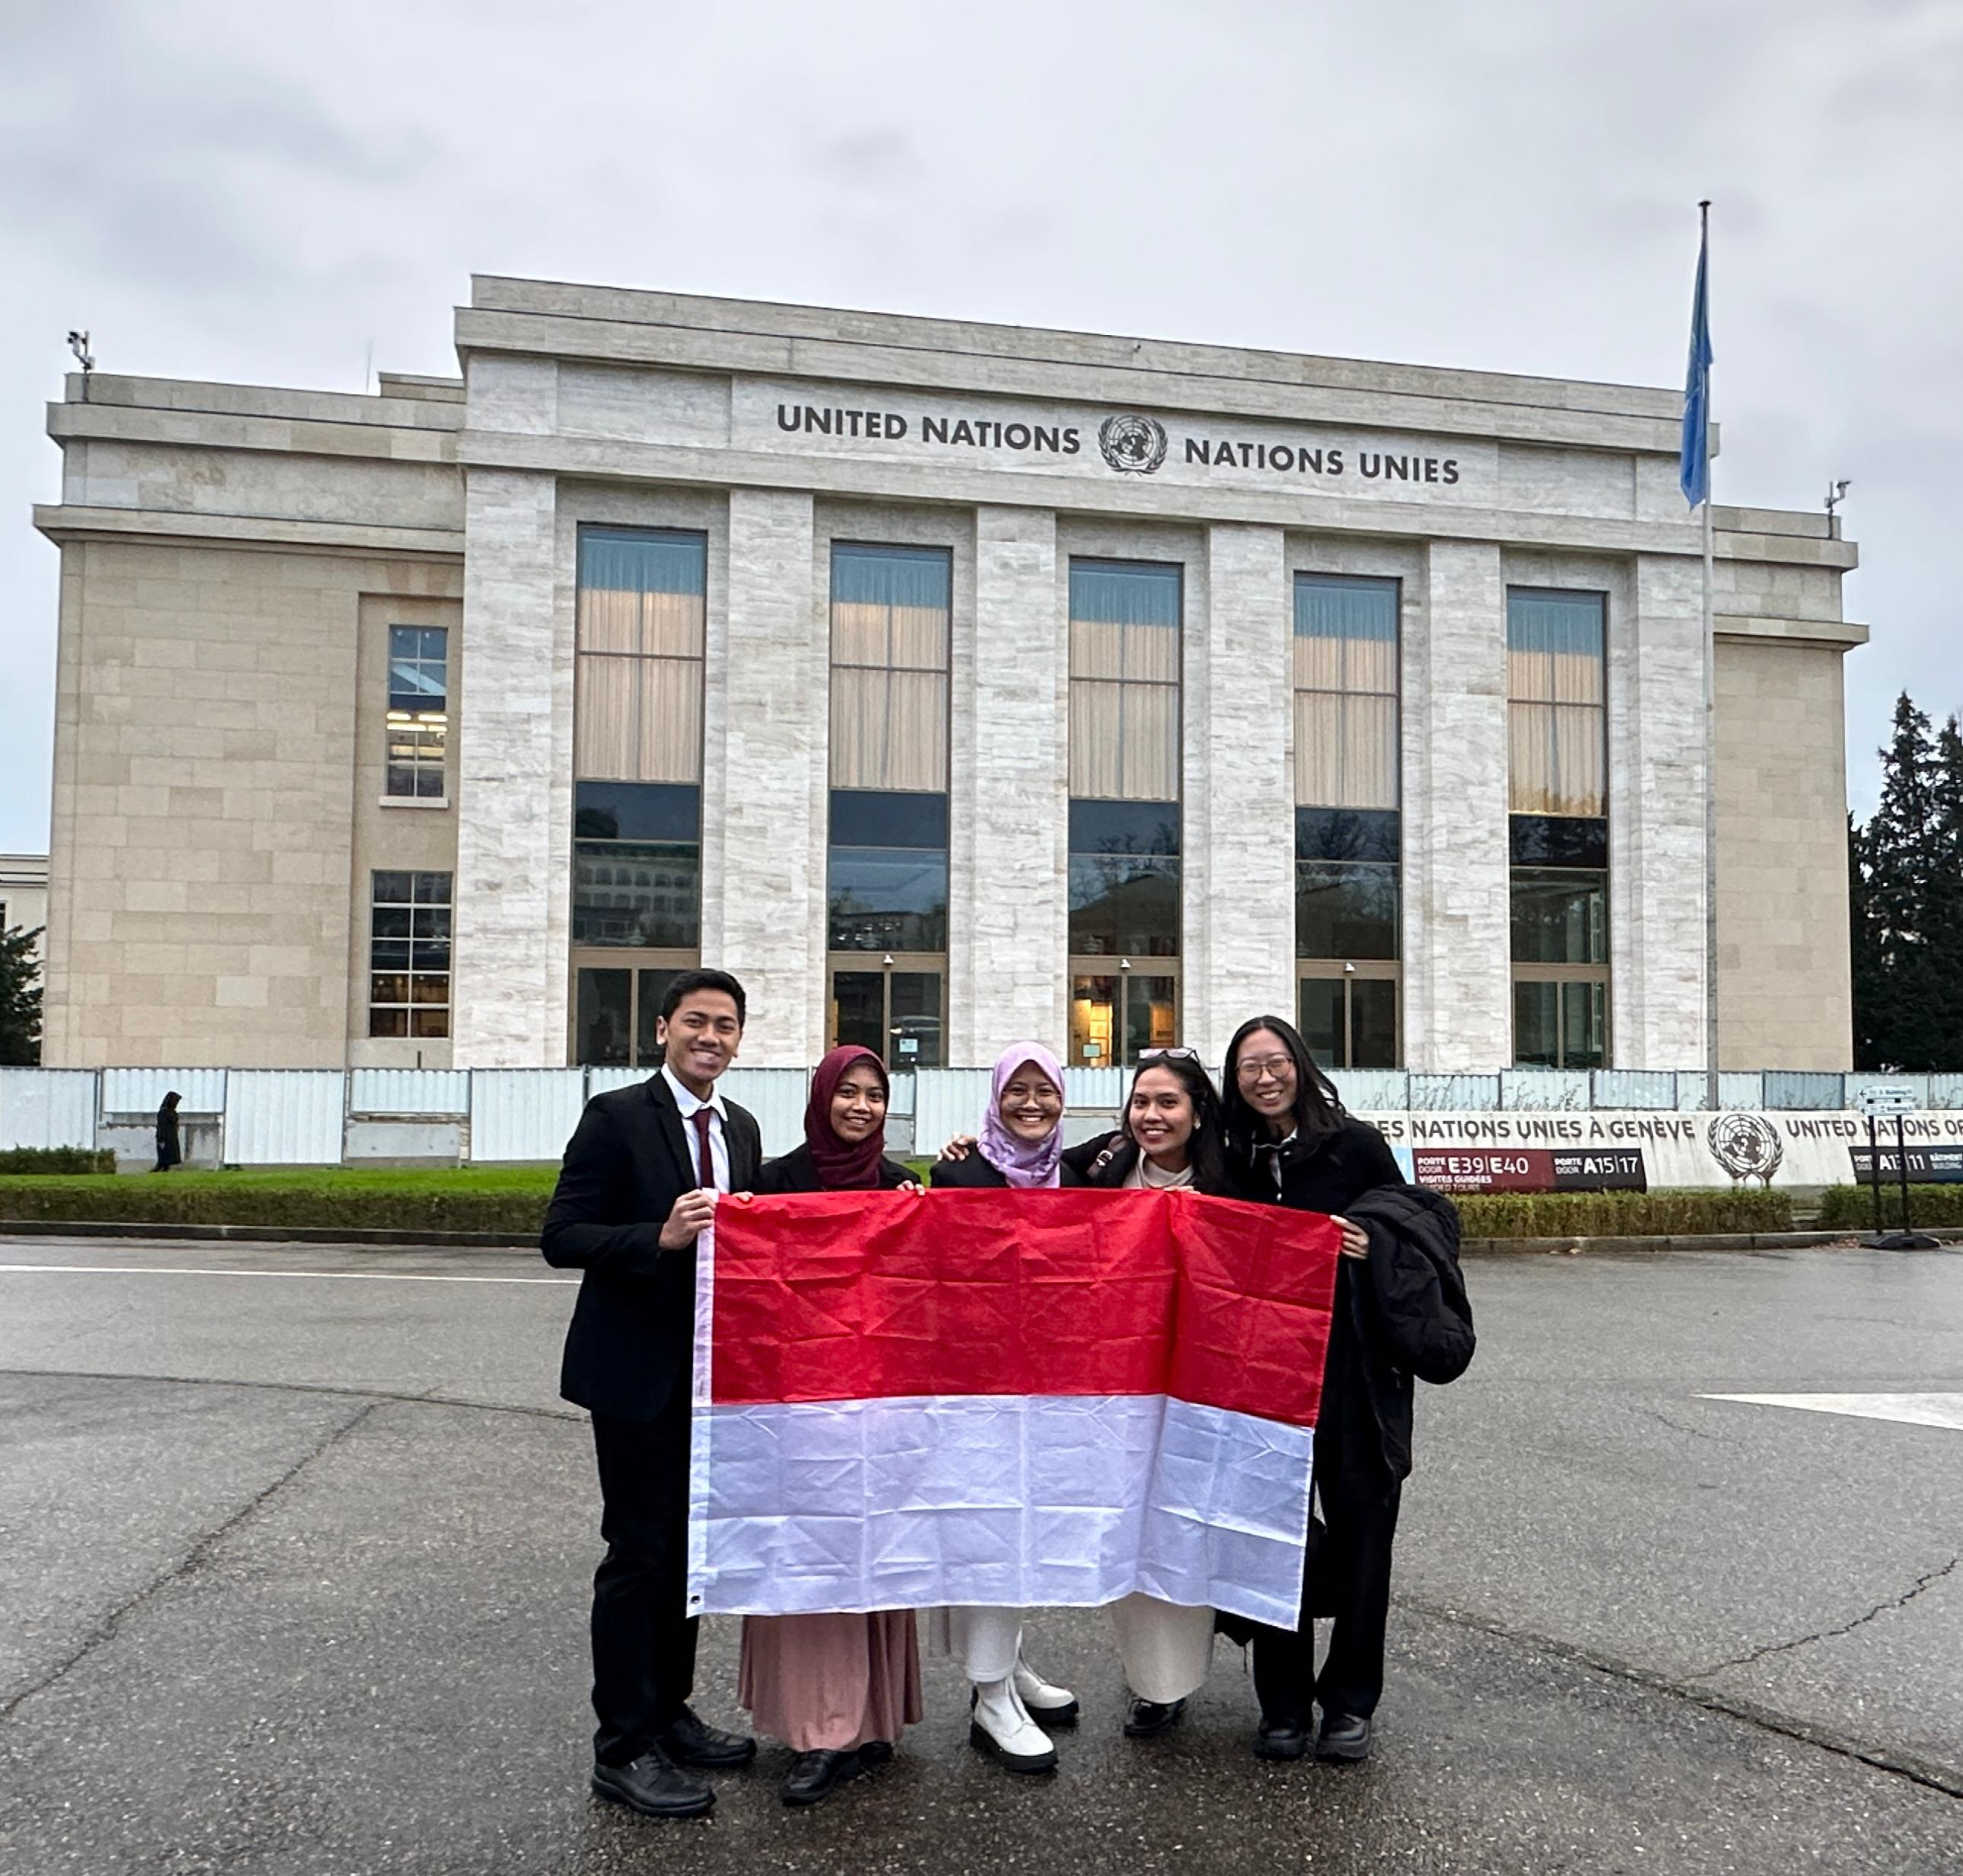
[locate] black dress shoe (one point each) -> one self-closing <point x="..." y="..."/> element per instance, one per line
<point x="1281" y="1737"/>
<point x="1345" y="1737"/>
<point x="813" y="1776"/>
<point x="1149" y="1718"/>
<point x="654" y="1786"/>
<point x="690" y="1742"/>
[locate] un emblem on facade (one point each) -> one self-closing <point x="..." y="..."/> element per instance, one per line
<point x="1747" y="1145"/>
<point x="1133" y="446"/>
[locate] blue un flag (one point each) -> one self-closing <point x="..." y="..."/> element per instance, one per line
<point x="1695" y="475"/>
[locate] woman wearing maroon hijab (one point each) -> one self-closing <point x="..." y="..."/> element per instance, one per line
<point x="836" y="1689"/>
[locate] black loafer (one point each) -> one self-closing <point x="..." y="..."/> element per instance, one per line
<point x="1344" y="1737"/>
<point x="691" y="1742"/>
<point x="813" y="1776"/>
<point x="1148" y="1719"/>
<point x="653" y="1785"/>
<point x="1281" y="1736"/>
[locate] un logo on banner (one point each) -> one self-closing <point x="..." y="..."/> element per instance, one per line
<point x="1747" y="1145"/>
<point x="1133" y="446"/>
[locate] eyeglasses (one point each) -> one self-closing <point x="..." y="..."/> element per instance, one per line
<point x="1168" y="1055"/>
<point x="1275" y="1067"/>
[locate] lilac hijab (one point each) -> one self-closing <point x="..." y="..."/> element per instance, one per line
<point x="1021" y="1162"/>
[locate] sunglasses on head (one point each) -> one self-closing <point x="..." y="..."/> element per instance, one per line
<point x="1167" y="1055"/>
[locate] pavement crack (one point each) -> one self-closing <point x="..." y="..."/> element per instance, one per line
<point x="1937" y="1777"/>
<point x="1915" y="1589"/>
<point x="106" y="1630"/>
<point x="1678" y="1426"/>
<point x="427" y="1396"/>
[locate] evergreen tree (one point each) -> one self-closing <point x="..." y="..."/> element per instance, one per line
<point x="1864" y="947"/>
<point x="1899" y="850"/>
<point x="19" y="999"/>
<point x="1943" y="902"/>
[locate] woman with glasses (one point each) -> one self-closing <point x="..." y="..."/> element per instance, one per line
<point x="1398" y="1298"/>
<point x="1020" y="1149"/>
<point x="836" y="1689"/>
<point x="1171" y="1135"/>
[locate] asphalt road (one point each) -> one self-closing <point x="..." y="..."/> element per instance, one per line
<point x="293" y="1577"/>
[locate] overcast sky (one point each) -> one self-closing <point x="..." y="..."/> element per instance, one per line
<point x="256" y="192"/>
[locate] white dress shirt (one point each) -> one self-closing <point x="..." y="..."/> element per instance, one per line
<point x="718" y="1140"/>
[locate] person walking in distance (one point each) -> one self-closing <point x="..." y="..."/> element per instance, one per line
<point x="169" y="1149"/>
<point x="638" y="1186"/>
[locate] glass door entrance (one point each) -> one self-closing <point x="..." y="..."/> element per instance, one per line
<point x="615" y="1010"/>
<point x="896" y="1013"/>
<point x="1116" y="1015"/>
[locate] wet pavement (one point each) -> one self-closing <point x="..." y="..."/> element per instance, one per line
<point x="294" y="1557"/>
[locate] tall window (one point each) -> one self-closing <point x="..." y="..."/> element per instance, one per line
<point x="1124" y="813"/>
<point x="418" y="711"/>
<point x="408" y="955"/>
<point x="1558" y="750"/>
<point x="1347" y="833"/>
<point x="887" y="895"/>
<point x="637" y="741"/>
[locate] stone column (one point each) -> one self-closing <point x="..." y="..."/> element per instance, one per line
<point x="514" y="781"/>
<point x="1009" y="795"/>
<point x="1458" y="981"/>
<point x="1237" y="842"/>
<point x="763" y="777"/>
<point x="1656" y="943"/>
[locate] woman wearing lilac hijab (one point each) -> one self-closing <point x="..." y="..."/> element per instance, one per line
<point x="1021" y="1148"/>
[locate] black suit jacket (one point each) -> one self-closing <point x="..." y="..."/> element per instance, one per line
<point x="631" y="1346"/>
<point x="975" y="1174"/>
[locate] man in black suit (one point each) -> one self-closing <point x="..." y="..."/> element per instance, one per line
<point x="640" y="1183"/>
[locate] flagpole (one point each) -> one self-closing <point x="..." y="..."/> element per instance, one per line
<point x="1710" y="729"/>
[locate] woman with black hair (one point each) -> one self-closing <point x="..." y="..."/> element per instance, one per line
<point x="1398" y="1304"/>
<point x="1169" y="1135"/>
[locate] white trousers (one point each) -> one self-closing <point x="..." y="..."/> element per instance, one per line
<point x="1166" y="1647"/>
<point x="984" y="1641"/>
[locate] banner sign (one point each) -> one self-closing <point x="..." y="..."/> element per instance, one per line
<point x="1601" y="1150"/>
<point x="906" y="1401"/>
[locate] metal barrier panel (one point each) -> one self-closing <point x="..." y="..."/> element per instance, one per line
<point x="1693" y="1091"/>
<point x="524" y="1113"/>
<point x="1373" y="1090"/>
<point x="284" y="1117"/>
<point x="444" y="1092"/>
<point x="141" y="1090"/>
<point x="1740" y="1091"/>
<point x="1654" y="1088"/>
<point x="777" y="1097"/>
<point x="1786" y="1088"/>
<point x="948" y="1101"/>
<point x="605" y="1080"/>
<point x="1454" y="1094"/>
<point x="47" y="1107"/>
<point x="1544" y="1090"/>
<point x="1946" y="1091"/>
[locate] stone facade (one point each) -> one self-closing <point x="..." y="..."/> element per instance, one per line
<point x="233" y="557"/>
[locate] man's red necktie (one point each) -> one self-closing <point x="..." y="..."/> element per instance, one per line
<point x="704" y="1159"/>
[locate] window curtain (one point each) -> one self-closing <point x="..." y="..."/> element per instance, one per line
<point x="1346" y="692"/>
<point x="638" y="686"/>
<point x="889" y="620"/>
<point x="1124" y="680"/>
<point x="1557" y="720"/>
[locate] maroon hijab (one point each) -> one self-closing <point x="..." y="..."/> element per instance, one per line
<point x="842" y="1165"/>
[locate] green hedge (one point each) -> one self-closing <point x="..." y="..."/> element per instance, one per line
<point x="507" y="1200"/>
<point x="1851" y="1207"/>
<point x="55" y="1159"/>
<point x="1688" y="1213"/>
<point x="511" y="1200"/>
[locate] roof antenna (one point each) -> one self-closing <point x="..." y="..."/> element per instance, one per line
<point x="1836" y="493"/>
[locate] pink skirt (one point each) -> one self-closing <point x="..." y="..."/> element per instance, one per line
<point x="829" y="1683"/>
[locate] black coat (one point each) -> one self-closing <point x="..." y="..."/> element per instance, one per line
<point x="631" y="1345"/>
<point x="975" y="1174"/>
<point x="795" y="1172"/>
<point x="1085" y="1164"/>
<point x="1400" y="1311"/>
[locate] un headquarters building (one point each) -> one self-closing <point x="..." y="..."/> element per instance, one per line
<point x="950" y="683"/>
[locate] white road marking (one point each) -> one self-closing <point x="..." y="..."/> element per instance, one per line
<point x="330" y="1276"/>
<point x="1911" y="1410"/>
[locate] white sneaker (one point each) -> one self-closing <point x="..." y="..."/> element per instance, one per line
<point x="1048" y="1705"/>
<point x="1001" y="1727"/>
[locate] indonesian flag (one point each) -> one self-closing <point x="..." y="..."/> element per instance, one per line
<point x="1015" y="1398"/>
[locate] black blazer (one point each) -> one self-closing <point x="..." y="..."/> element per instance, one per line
<point x="976" y="1173"/>
<point x="631" y="1346"/>
<point x="795" y="1172"/>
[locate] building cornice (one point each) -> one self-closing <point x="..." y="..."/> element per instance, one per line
<point x="64" y="523"/>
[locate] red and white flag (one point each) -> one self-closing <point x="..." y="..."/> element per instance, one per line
<point x="1013" y="1398"/>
